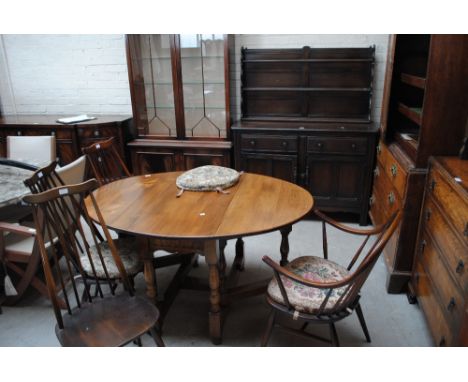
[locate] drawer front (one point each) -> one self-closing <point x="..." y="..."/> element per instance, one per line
<point x="384" y="196"/>
<point x="450" y="298"/>
<point x="392" y="169"/>
<point x="450" y="200"/>
<point x="268" y="143"/>
<point x="455" y="252"/>
<point x="337" y="145"/>
<point x="427" y="299"/>
<point x="97" y="133"/>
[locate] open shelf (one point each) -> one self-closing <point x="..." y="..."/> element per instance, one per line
<point x="415" y="81"/>
<point x="413" y="113"/>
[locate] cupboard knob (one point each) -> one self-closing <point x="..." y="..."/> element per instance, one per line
<point x="284" y="144"/>
<point x="353" y="146"/>
<point x="52" y="133"/>
<point x="391" y="198"/>
<point x="319" y="145"/>
<point x="460" y="266"/>
<point x="376" y="171"/>
<point x="428" y="214"/>
<point x="393" y="170"/>
<point x="19" y="133"/>
<point x="371" y="200"/>
<point x="451" y="304"/>
<point x="432" y="185"/>
<point x="96" y="133"/>
<point x="422" y="245"/>
<point x="252" y="143"/>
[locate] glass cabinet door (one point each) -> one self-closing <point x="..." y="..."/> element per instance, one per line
<point x="153" y="85"/>
<point x="203" y="79"/>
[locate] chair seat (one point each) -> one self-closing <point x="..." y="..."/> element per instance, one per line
<point x="306" y="299"/>
<point x="113" y="321"/>
<point x="127" y="251"/>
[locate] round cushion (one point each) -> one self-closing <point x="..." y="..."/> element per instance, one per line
<point x="208" y="178"/>
<point x="304" y="298"/>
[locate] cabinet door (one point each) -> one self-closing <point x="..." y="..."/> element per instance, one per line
<point x="335" y="182"/>
<point x="148" y="162"/>
<point x="275" y="165"/>
<point x="194" y="159"/>
<point x="204" y="79"/>
<point x="151" y="74"/>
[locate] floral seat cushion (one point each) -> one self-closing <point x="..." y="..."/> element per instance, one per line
<point x="126" y="250"/>
<point x="208" y="178"/>
<point x="306" y="299"/>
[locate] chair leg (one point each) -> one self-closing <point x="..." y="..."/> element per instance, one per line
<point x="269" y="328"/>
<point x="362" y="322"/>
<point x="334" y="335"/>
<point x="137" y="341"/>
<point x="156" y="337"/>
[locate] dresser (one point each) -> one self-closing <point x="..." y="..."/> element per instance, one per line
<point x="440" y="277"/>
<point x="306" y="119"/>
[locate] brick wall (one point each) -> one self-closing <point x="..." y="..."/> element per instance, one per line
<point x="314" y="41"/>
<point x="64" y="74"/>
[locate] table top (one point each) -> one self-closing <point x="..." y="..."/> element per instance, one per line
<point x="147" y="205"/>
<point x="12" y="188"/>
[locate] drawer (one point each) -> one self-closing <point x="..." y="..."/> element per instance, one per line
<point x="445" y="196"/>
<point x="450" y="298"/>
<point x="97" y="132"/>
<point x="337" y="145"/>
<point x="395" y="172"/>
<point x="454" y="250"/>
<point x="268" y="143"/>
<point x="427" y="299"/>
<point x="384" y="194"/>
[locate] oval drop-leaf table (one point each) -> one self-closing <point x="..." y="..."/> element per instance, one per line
<point x="147" y="206"/>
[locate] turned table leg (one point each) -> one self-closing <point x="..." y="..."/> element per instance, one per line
<point x="211" y="257"/>
<point x="284" y="248"/>
<point x="149" y="272"/>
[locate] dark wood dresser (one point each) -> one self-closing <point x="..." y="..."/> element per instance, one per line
<point x="440" y="277"/>
<point x="306" y="119"/>
<point x="424" y="113"/>
<point x="70" y="139"/>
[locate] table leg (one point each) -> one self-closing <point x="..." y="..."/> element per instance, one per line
<point x="149" y="272"/>
<point x="211" y="249"/>
<point x="222" y="269"/>
<point x="239" y="260"/>
<point x="284" y="248"/>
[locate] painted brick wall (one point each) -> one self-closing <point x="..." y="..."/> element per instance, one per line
<point x="314" y="41"/>
<point x="65" y="74"/>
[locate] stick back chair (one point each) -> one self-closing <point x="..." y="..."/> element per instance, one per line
<point x="316" y="290"/>
<point x="105" y="319"/>
<point x="105" y="162"/>
<point x="19" y="250"/>
<point x="107" y="166"/>
<point x="35" y="150"/>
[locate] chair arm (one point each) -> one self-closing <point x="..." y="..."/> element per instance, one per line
<point x="345" y="228"/>
<point x="321" y="285"/>
<point x="19" y="229"/>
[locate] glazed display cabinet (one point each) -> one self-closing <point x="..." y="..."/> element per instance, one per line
<point x="180" y="98"/>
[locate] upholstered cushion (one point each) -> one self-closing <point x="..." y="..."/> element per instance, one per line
<point x="208" y="178"/>
<point x="126" y="250"/>
<point x="307" y="299"/>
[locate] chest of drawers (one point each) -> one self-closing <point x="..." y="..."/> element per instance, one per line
<point x="440" y="277"/>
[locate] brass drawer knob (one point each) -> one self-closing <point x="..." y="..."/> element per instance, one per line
<point x="422" y="245"/>
<point x="284" y="144"/>
<point x="319" y="145"/>
<point x="451" y="304"/>
<point x="460" y="266"/>
<point x="379" y="149"/>
<point x="428" y="214"/>
<point x="376" y="172"/>
<point x="96" y="133"/>
<point x="252" y="143"/>
<point x="371" y="200"/>
<point x="393" y="170"/>
<point x="432" y="185"/>
<point x="465" y="232"/>
<point x="391" y="198"/>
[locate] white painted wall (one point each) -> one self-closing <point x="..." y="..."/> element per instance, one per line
<point x="315" y="41"/>
<point x="71" y="74"/>
<point x="65" y="74"/>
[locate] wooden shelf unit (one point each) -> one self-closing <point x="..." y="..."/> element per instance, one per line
<point x="424" y="113"/>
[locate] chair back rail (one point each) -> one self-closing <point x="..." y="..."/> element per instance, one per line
<point x="349" y="286"/>
<point x="105" y="162"/>
<point x="60" y="212"/>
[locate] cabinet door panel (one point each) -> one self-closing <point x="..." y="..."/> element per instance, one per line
<point x="278" y="166"/>
<point x="151" y="162"/>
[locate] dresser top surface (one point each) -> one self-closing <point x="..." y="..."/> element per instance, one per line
<point x="51" y="120"/>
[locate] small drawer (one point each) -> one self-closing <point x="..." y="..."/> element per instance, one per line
<point x="268" y="143"/>
<point x="337" y="145"/>
<point x="392" y="168"/>
<point x="445" y="195"/>
<point x="450" y="298"/>
<point x="384" y="195"/>
<point x="455" y="251"/>
<point x="427" y="299"/>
